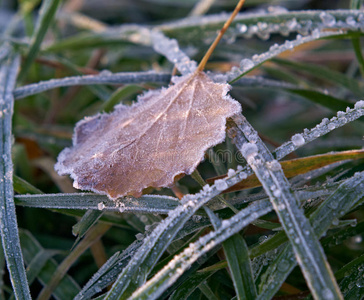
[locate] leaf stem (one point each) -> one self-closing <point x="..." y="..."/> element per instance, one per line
<point x="204" y="60"/>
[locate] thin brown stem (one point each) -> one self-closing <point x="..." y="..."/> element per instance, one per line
<point x="204" y="60"/>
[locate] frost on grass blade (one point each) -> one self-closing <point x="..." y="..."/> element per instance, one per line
<point x="102" y="78"/>
<point x="246" y="65"/>
<point x="183" y="261"/>
<point x="152" y="142"/>
<point x="308" y="250"/>
<point x="342" y="118"/>
<point x="170" y="49"/>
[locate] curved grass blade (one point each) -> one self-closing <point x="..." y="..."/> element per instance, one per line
<point x="8" y="222"/>
<point x="46" y="15"/>
<point x="116" y="78"/>
<point x="308" y="250"/>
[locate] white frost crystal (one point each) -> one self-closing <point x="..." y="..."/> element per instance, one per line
<point x="221" y="185"/>
<point x="249" y="150"/>
<point x="298" y="140"/>
<point x="359" y="104"/>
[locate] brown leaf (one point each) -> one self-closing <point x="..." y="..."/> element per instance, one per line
<point x="148" y="144"/>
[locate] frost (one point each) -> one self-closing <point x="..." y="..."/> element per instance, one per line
<point x="274" y="165"/>
<point x="359" y="104"/>
<point x="139" y="236"/>
<point x="298" y="140"/>
<point x="221" y="184"/>
<point x="350" y="21"/>
<point x="246" y="64"/>
<point x="231" y="173"/>
<point x="170" y="49"/>
<point x="249" y="150"/>
<point x="277" y="193"/>
<point x="327" y="19"/>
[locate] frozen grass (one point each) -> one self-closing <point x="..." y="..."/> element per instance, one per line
<point x="298" y="74"/>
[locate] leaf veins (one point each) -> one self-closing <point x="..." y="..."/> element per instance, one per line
<point x="148" y="144"/>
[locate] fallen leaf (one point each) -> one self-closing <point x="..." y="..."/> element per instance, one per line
<point x="296" y="167"/>
<point x="150" y="143"/>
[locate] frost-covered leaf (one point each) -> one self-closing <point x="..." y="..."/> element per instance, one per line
<point x="151" y="142"/>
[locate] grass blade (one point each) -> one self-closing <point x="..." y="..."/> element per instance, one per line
<point x="181" y="262"/>
<point x="67" y="288"/>
<point x="322" y="72"/>
<point x="94" y="234"/>
<point x="8" y="223"/>
<point x="46" y="14"/>
<point x="147" y="203"/>
<point x="347" y="195"/>
<point x="310" y="255"/>
<point x="117" y="78"/>
<point x="237" y="256"/>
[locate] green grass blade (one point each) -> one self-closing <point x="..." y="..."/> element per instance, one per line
<point x="189" y="29"/>
<point x="190" y="285"/>
<point x="93" y="235"/>
<point x="87" y="221"/>
<point x="358" y="52"/>
<point x="146" y="203"/>
<point x="8" y="222"/>
<point x="2" y="271"/>
<point x="328" y="101"/>
<point x="353" y="283"/>
<point x="324" y="73"/>
<point x="38" y="262"/>
<point x="46" y="15"/>
<point x="119" y="95"/>
<point x="67" y="288"/>
<point x="114" y="79"/>
<point x="237" y="256"/>
<point x="310" y="255"/>
<point x="21" y="186"/>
